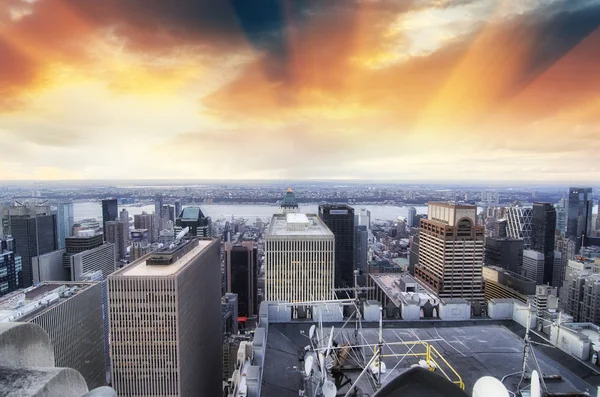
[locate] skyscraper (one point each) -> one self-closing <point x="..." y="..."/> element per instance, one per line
<point x="11" y="268"/>
<point x="242" y="276"/>
<point x="410" y="219"/>
<point x="177" y="209"/>
<point x="506" y="253"/>
<point x="299" y="259"/>
<point x="71" y="314"/>
<point x="543" y="231"/>
<point x="193" y="217"/>
<point x="361" y="247"/>
<point x="500" y="228"/>
<point x="518" y="224"/>
<point x="110" y="212"/>
<point x="33" y="229"/>
<point x="339" y="218"/>
<point x="146" y="221"/>
<point x="534" y="265"/>
<point x="451" y="251"/>
<point x="116" y="233"/>
<point x="158" y="204"/>
<point x="165" y="322"/>
<point x="289" y="204"/>
<point x="561" y="219"/>
<point x="65" y="221"/>
<point x="579" y="215"/>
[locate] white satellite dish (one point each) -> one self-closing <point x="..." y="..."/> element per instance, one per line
<point x="536" y="390"/>
<point x="489" y="386"/>
<point x="329" y="389"/>
<point x="15" y="301"/>
<point x="311" y="331"/>
<point x="308" y="365"/>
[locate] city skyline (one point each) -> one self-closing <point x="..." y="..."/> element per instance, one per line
<point x="486" y="90"/>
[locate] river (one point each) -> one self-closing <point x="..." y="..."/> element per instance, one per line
<point x="86" y="210"/>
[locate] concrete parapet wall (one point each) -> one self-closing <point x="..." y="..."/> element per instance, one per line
<point x="25" y="345"/>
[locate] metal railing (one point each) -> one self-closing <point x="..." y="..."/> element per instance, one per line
<point x="433" y="358"/>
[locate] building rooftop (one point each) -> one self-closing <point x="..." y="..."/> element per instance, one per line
<point x="391" y="284"/>
<point x="143" y="268"/>
<point x="311" y="224"/>
<point x="473" y="351"/>
<point x="193" y="213"/>
<point x="24" y="304"/>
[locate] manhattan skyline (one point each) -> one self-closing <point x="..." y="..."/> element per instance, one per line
<point x="468" y="90"/>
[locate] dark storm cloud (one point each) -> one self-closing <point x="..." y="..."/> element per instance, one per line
<point x="555" y="33"/>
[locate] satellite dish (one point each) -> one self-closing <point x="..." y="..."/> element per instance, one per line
<point x="311" y="331"/>
<point x="329" y="389"/>
<point x="536" y="390"/>
<point x="308" y="365"/>
<point x="15" y="301"/>
<point x="489" y="386"/>
<point x="182" y="233"/>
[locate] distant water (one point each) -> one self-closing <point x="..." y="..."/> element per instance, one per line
<point x="86" y="210"/>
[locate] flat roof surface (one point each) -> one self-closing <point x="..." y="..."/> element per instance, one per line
<point x="38" y="293"/>
<point x="141" y="269"/>
<point x="279" y="227"/>
<point x="473" y="351"/>
<point x="296" y="218"/>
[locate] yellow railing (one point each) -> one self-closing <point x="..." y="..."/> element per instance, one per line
<point x="431" y="356"/>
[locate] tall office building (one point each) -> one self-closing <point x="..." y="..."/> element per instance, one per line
<point x="598" y="218"/>
<point x="579" y="215"/>
<point x="288" y="204"/>
<point x="500" y="228"/>
<point x="506" y="253"/>
<point x="451" y="250"/>
<point x="534" y="265"/>
<point x="33" y="229"/>
<point x="504" y="284"/>
<point x="518" y="224"/>
<point x="193" y="217"/>
<point x="11" y="268"/>
<point x="361" y="247"/>
<point x="580" y="292"/>
<point x="110" y="212"/>
<point x="101" y="258"/>
<point x="178" y="209"/>
<point x="116" y="233"/>
<point x="561" y="220"/>
<point x="64" y="223"/>
<point x="83" y="241"/>
<point x="241" y="261"/>
<point x="168" y="212"/>
<point x="413" y="255"/>
<point x="410" y="219"/>
<point x="543" y="231"/>
<point x="299" y="259"/>
<point x="362" y="217"/>
<point x="124" y="216"/>
<point x="158" y="204"/>
<point x="71" y="315"/>
<point x="165" y="322"/>
<point x="146" y="221"/>
<point x="339" y="218"/>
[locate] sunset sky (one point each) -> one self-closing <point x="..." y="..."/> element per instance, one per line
<point x="456" y="90"/>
